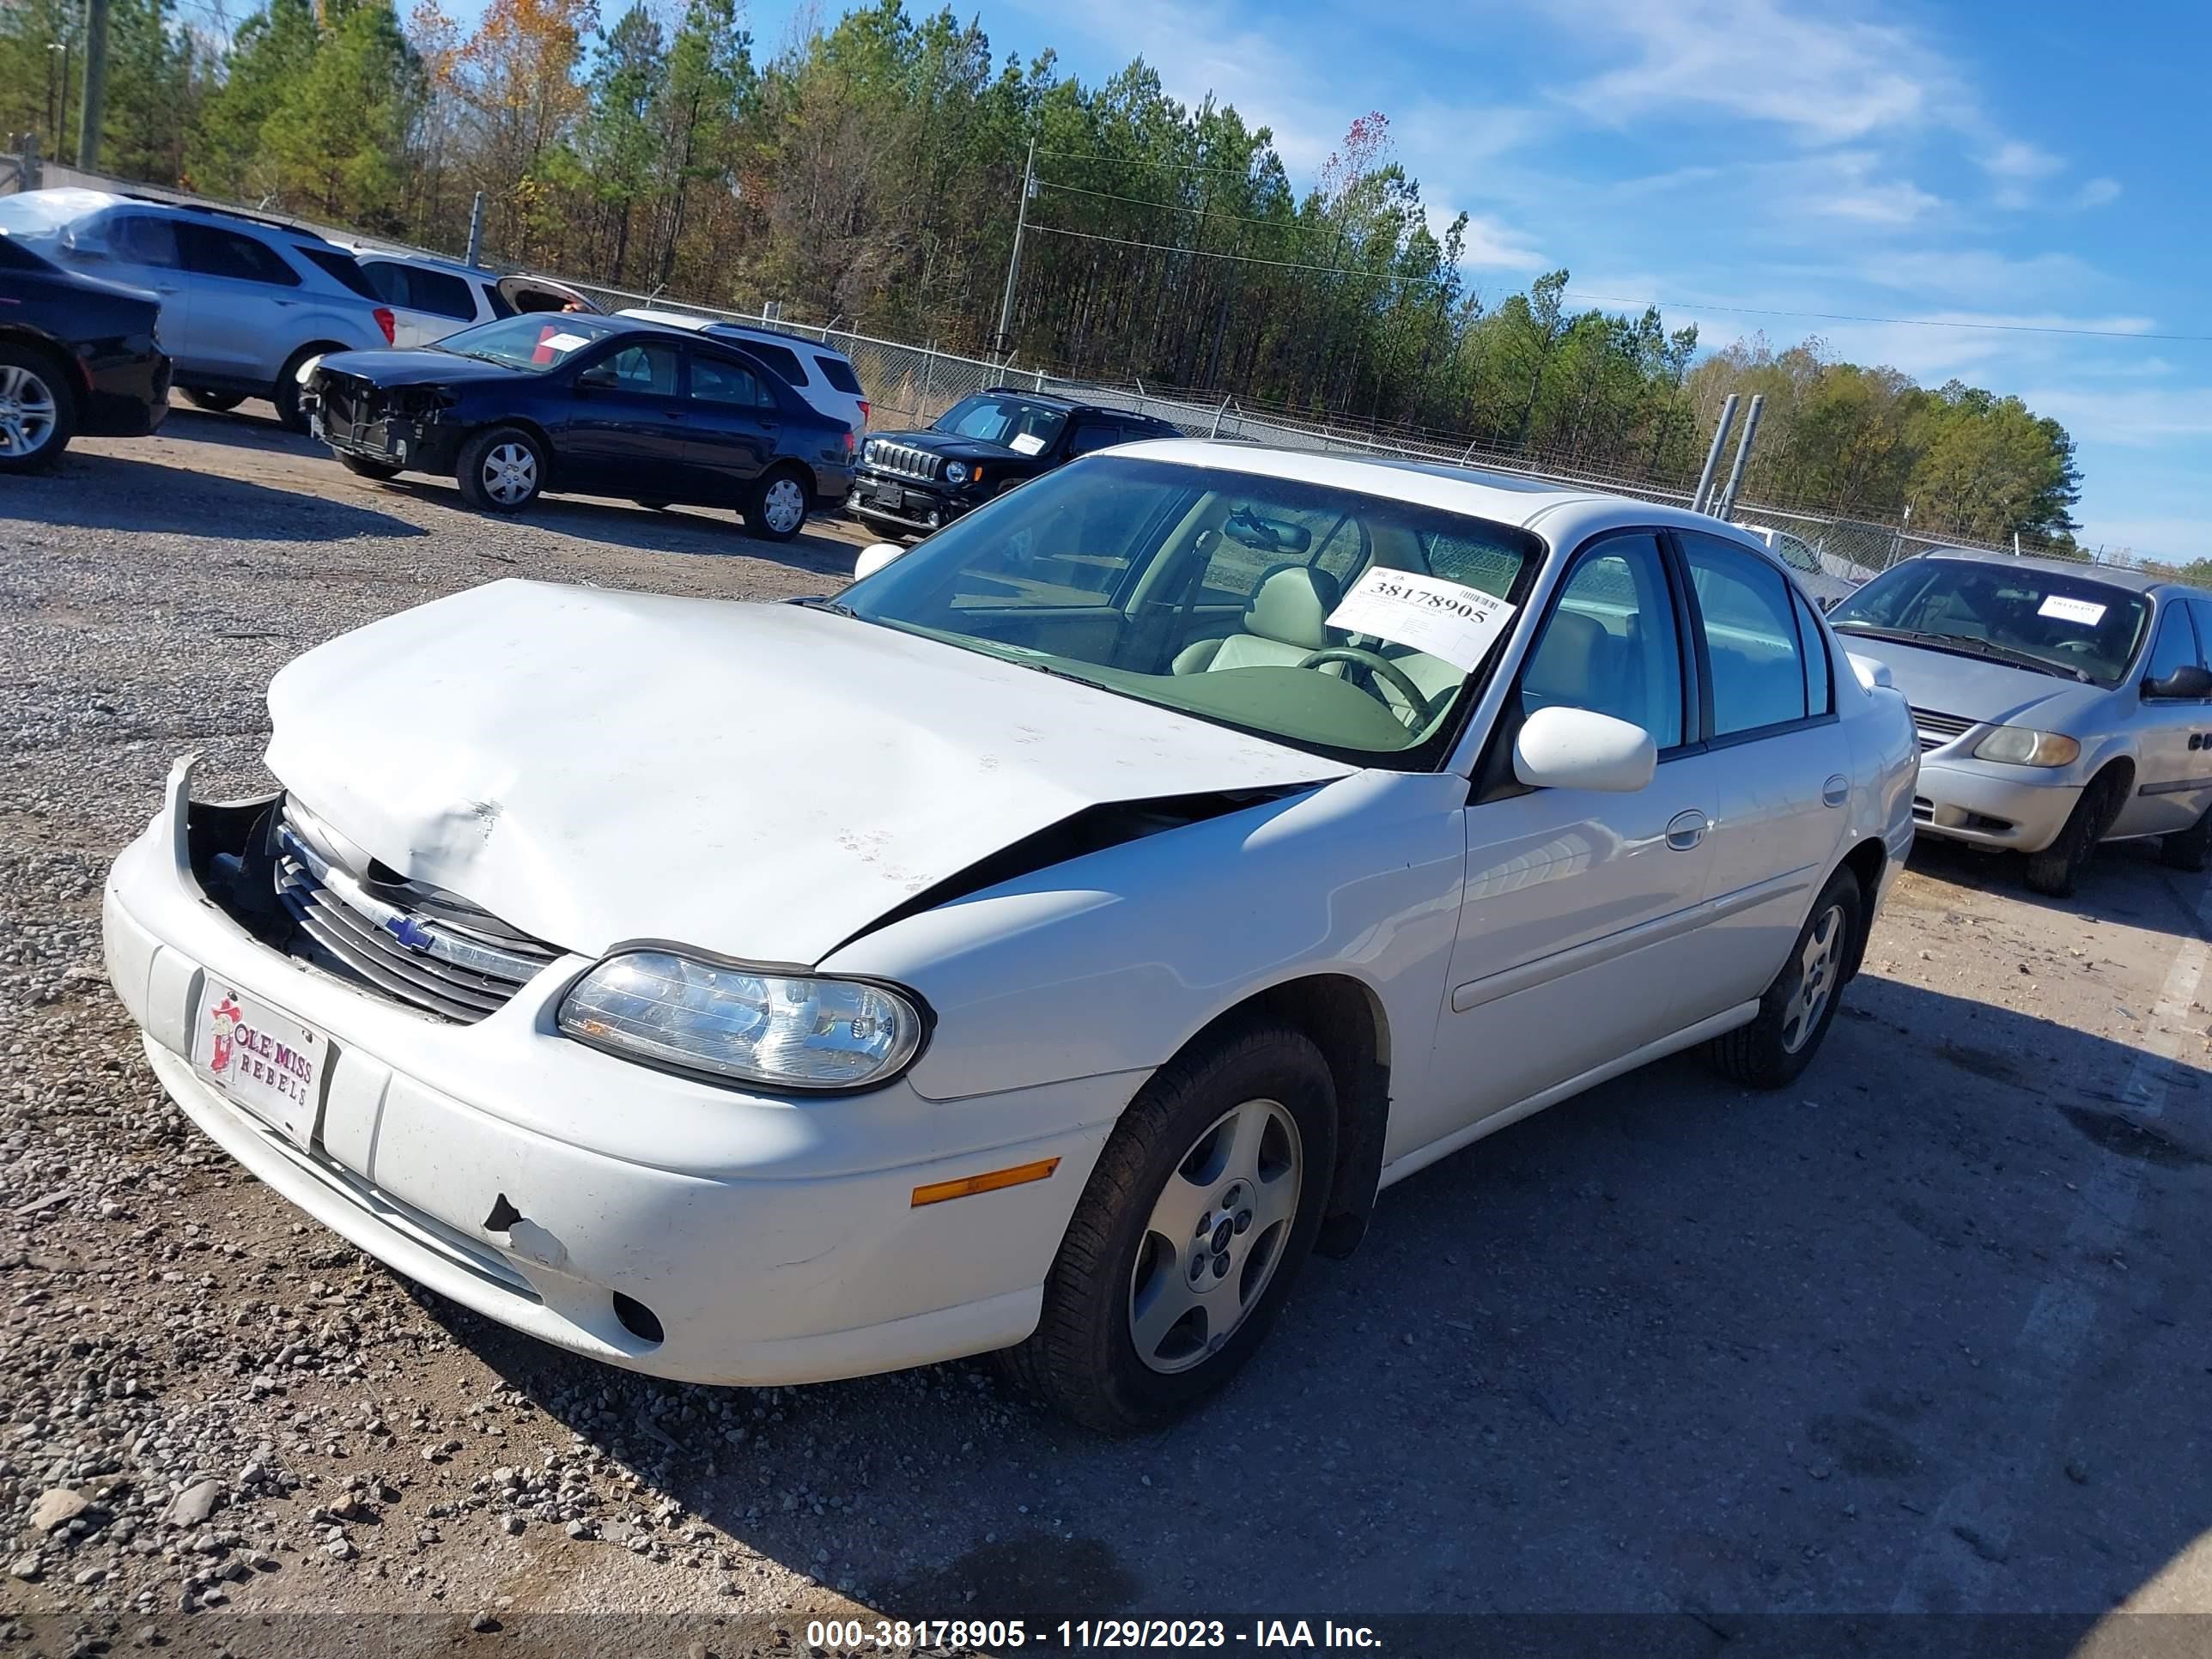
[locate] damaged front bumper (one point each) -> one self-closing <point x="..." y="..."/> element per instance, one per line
<point x="644" y="1219"/>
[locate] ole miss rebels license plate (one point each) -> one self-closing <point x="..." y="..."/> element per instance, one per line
<point x="267" y="1063"/>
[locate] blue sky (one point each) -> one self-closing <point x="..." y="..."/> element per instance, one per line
<point x="2039" y="162"/>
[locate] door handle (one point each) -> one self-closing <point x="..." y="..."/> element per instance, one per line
<point x="1686" y="829"/>
<point x="1836" y="791"/>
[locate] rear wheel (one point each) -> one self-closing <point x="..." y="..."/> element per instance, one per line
<point x="361" y="466"/>
<point x="2191" y="849"/>
<point x="1197" y="1215"/>
<point x="37" y="414"/>
<point x="285" y="394"/>
<point x="216" y="402"/>
<point x="501" y="470"/>
<point x="775" y="508"/>
<point x="2055" y="870"/>
<point x="1798" y="1006"/>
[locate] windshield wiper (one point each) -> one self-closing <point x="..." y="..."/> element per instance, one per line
<point x="835" y="607"/>
<point x="1968" y="642"/>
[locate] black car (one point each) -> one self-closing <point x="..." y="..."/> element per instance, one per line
<point x="911" y="482"/>
<point x="585" y="404"/>
<point x="76" y="354"/>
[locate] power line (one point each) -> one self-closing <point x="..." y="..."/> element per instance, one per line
<point x="1137" y="160"/>
<point x="1242" y="258"/>
<point x="1900" y="322"/>
<point x="1178" y="207"/>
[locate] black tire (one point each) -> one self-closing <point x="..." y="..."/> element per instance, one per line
<point x="35" y="392"/>
<point x="1774" y="1049"/>
<point x="1083" y="1357"/>
<point x="2190" y="850"/>
<point x="478" y="458"/>
<point x="2054" y="871"/>
<point x="285" y="394"/>
<point x="216" y="402"/>
<point x="767" y="506"/>
<point x="361" y="466"/>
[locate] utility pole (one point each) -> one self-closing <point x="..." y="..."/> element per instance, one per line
<point x="1014" y="261"/>
<point x="1713" y="455"/>
<point x="1742" y="454"/>
<point x="476" y="230"/>
<point x="95" y="83"/>
<point x="61" y="124"/>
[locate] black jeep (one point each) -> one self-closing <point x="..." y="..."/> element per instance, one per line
<point x="912" y="482"/>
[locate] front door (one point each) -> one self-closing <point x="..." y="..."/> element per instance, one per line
<point x="2174" y="767"/>
<point x="1579" y="908"/>
<point x="626" y="431"/>
<point x="142" y="251"/>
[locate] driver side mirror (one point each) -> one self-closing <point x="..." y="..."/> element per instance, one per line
<point x="1563" y="748"/>
<point x="874" y="558"/>
<point x="2187" y="683"/>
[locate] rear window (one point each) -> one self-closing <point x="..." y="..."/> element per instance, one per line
<point x="839" y="374"/>
<point x="420" y="290"/>
<point x="13" y="256"/>
<point x="210" y="251"/>
<point x="331" y="262"/>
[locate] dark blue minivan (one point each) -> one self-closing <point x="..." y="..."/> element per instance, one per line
<point x="581" y="403"/>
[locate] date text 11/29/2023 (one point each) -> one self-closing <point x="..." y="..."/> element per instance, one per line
<point x="904" y="1635"/>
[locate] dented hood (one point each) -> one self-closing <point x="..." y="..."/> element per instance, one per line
<point x="762" y="780"/>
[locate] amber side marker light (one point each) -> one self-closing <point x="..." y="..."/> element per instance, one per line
<point x="967" y="1185"/>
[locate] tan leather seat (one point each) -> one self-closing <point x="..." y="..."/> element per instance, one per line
<point x="1285" y="622"/>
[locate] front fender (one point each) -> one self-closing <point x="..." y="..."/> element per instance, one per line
<point x="1111" y="962"/>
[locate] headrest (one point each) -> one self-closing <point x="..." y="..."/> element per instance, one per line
<point x="1291" y="606"/>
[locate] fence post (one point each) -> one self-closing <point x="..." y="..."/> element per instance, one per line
<point x="1713" y="455"/>
<point x="476" y="230"/>
<point x="1040" y="378"/>
<point x="928" y="379"/>
<point x="1217" y="414"/>
<point x="1742" y="454"/>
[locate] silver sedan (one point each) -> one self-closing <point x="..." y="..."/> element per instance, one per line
<point x="2059" y="705"/>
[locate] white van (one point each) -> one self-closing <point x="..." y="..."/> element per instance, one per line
<point x="820" y="374"/>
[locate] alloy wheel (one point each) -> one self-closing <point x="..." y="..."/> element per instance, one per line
<point x="27" y="412"/>
<point x="784" y="506"/>
<point x="1818" y="966"/>
<point x="1215" y="1236"/>
<point x="510" y="474"/>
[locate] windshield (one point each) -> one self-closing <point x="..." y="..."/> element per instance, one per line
<point x="532" y="342"/>
<point x="40" y="213"/>
<point x="994" y="418"/>
<point x="1210" y="592"/>
<point x="2072" y="626"/>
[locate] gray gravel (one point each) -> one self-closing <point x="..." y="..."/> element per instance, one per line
<point x="1671" y="1349"/>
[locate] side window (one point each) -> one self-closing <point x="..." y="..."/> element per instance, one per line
<point x="340" y="267"/>
<point x="718" y="380"/>
<point x="1610" y="645"/>
<point x="1751" y="636"/>
<point x="387" y="281"/>
<point x="1091" y="435"/>
<point x="840" y="375"/>
<point x="1820" y="692"/>
<point x="647" y="370"/>
<point x="496" y="300"/>
<point x="213" y="251"/>
<point x="2174" y="646"/>
<point x="143" y="240"/>
<point x="441" y="295"/>
<point x="781" y="359"/>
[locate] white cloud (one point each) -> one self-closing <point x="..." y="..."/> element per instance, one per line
<point x="2015" y="160"/>
<point x="2097" y="192"/>
<point x="2136" y="416"/>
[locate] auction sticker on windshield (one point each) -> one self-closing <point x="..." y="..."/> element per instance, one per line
<point x="1026" y="443"/>
<point x="266" y="1062"/>
<point x="2058" y="605"/>
<point x="1445" y="619"/>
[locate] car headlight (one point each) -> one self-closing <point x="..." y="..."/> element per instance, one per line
<point x="740" y="1025"/>
<point x="308" y="369"/>
<point x="956" y="472"/>
<point x="2021" y="745"/>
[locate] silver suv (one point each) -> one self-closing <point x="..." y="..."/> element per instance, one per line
<point x="244" y="300"/>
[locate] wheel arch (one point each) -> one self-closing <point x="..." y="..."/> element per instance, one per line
<point x="1866" y="861"/>
<point x="70" y="366"/>
<point x="1349" y="1024"/>
<point x="522" y="423"/>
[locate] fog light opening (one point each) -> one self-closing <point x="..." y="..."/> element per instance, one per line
<point x="639" y="1321"/>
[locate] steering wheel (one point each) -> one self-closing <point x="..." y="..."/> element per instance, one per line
<point x="1376" y="663"/>
<point x="2077" y="648"/>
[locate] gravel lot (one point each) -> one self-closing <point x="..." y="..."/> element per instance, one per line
<point x="1927" y="1332"/>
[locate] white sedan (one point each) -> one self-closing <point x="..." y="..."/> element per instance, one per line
<point x="1043" y="946"/>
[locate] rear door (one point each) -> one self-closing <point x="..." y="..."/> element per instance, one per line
<point x="242" y="293"/>
<point x="733" y="427"/>
<point x="2173" y="768"/>
<point x="1781" y="768"/>
<point x="627" y="427"/>
<point x="426" y="305"/>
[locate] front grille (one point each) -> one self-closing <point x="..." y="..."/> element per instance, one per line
<point x="902" y="460"/>
<point x="412" y="942"/>
<point x="1936" y="730"/>
<point x="350" y="408"/>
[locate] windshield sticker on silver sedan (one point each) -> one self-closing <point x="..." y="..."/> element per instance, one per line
<point x="1445" y="619"/>
<point x="2062" y="609"/>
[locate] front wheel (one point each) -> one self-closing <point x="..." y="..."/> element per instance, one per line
<point x="1197" y="1217"/>
<point x="362" y="467"/>
<point x="501" y="471"/>
<point x="37" y="413"/>
<point x="286" y="394"/>
<point x="2190" y="850"/>
<point x="2057" y="867"/>
<point x="216" y="402"/>
<point x="1799" y="1005"/>
<point x="775" y="508"/>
